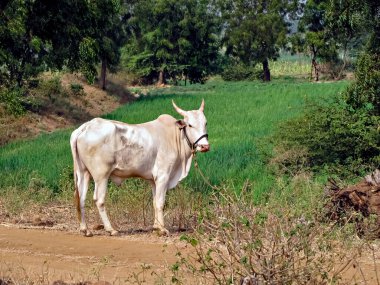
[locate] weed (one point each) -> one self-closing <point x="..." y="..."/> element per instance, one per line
<point x="77" y="89"/>
<point x="96" y="270"/>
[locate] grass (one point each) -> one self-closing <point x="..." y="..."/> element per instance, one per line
<point x="287" y="68"/>
<point x="240" y="115"/>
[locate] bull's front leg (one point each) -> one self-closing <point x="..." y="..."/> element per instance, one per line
<point x="159" y="194"/>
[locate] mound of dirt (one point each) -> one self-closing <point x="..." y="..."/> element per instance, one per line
<point x="70" y="102"/>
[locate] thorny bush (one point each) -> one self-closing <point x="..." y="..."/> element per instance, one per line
<point x="237" y="241"/>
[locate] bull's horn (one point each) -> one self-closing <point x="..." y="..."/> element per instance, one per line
<point x="202" y="107"/>
<point x="178" y="109"/>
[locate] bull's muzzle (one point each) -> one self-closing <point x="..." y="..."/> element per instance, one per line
<point x="204" y="147"/>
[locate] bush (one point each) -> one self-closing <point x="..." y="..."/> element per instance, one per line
<point x="333" y="137"/>
<point x="77" y="89"/>
<point x="13" y="100"/>
<point x="51" y="88"/>
<point x="239" y="72"/>
<point x="365" y="92"/>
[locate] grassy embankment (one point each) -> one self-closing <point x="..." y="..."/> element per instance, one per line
<point x="239" y="116"/>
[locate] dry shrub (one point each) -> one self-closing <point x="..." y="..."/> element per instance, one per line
<point x="182" y="207"/>
<point x="237" y="241"/>
<point x="131" y="206"/>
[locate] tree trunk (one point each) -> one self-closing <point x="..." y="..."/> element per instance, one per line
<point x="314" y="64"/>
<point x="103" y="74"/>
<point x="161" y="78"/>
<point x="266" y="75"/>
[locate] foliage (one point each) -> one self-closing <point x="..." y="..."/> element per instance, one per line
<point x="254" y="30"/>
<point x="13" y="100"/>
<point x="365" y="92"/>
<point x="21" y="52"/>
<point x="294" y="66"/>
<point x="240" y="72"/>
<point x="39" y="35"/>
<point x="88" y="51"/>
<point x="77" y="88"/>
<point x="337" y="139"/>
<point x="50" y="87"/>
<point x="109" y="18"/>
<point x="346" y="23"/>
<point x="172" y="38"/>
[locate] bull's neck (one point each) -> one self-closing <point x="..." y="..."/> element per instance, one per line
<point x="185" y="144"/>
<point x="185" y="153"/>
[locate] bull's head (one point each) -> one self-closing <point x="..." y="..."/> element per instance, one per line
<point x="194" y="124"/>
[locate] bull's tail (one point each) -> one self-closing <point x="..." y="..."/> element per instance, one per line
<point x="76" y="159"/>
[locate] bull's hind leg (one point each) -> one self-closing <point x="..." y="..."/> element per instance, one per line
<point x="99" y="198"/>
<point x="82" y="184"/>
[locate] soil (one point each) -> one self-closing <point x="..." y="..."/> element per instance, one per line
<point x="46" y="255"/>
<point x="52" y="255"/>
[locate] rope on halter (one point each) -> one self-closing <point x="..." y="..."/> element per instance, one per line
<point x="193" y="147"/>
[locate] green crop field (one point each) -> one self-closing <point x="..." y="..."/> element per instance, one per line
<point x="240" y="116"/>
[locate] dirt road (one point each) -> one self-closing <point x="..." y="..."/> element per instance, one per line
<point x="49" y="255"/>
<point x="43" y="256"/>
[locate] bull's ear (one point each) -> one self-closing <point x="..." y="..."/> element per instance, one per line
<point x="178" y="109"/>
<point x="202" y="107"/>
<point x="180" y="124"/>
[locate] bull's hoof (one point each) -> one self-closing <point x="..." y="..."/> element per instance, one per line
<point x="114" y="233"/>
<point x="86" y="233"/>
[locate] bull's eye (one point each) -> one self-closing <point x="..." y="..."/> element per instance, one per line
<point x="190" y="126"/>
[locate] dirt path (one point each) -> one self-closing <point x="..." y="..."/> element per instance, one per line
<point x="49" y="255"/>
<point x="43" y="256"/>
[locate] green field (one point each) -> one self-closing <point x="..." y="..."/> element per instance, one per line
<point x="240" y="116"/>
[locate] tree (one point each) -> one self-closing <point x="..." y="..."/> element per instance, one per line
<point x="65" y="26"/>
<point x="255" y="30"/>
<point x="110" y="33"/>
<point x="21" y="51"/>
<point x="315" y="38"/>
<point x="365" y="91"/>
<point x="171" y="38"/>
<point x="344" y="23"/>
<point x="84" y="34"/>
<point x="326" y="28"/>
<point x="200" y="45"/>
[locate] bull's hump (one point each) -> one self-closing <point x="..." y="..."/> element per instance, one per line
<point x="166" y="119"/>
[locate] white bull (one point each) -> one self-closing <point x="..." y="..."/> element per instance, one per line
<point x="159" y="151"/>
